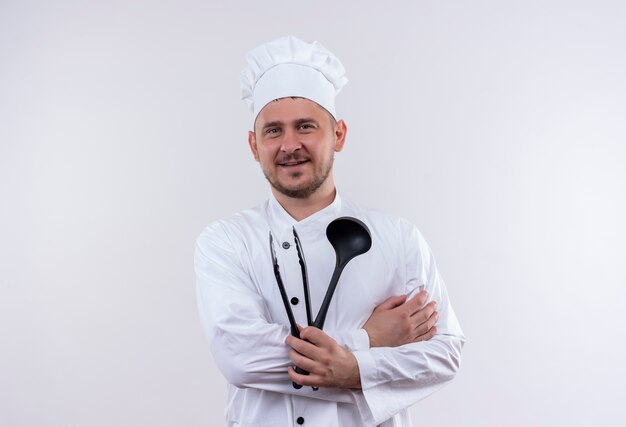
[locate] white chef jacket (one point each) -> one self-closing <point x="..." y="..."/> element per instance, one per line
<point x="246" y="323"/>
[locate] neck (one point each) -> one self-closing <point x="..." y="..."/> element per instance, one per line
<point x="300" y="209"/>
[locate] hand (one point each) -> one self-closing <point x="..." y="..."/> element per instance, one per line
<point x="328" y="363"/>
<point x="397" y="322"/>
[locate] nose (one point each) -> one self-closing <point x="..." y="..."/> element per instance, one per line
<point x="291" y="141"/>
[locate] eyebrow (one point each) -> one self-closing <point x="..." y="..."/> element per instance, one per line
<point x="272" y="124"/>
<point x="306" y="120"/>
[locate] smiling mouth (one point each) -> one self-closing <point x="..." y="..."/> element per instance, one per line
<point x="293" y="163"/>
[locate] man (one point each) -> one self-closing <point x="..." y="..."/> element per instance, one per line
<point x="391" y="337"/>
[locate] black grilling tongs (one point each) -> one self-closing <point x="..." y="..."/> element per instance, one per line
<point x="283" y="293"/>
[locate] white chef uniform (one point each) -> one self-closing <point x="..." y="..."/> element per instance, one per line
<point x="245" y="321"/>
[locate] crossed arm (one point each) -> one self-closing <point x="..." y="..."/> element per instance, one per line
<point x="393" y="323"/>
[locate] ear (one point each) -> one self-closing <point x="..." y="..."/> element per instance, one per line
<point x="341" y="131"/>
<point x="252" y="144"/>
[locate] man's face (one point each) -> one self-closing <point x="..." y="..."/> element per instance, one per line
<point x="294" y="140"/>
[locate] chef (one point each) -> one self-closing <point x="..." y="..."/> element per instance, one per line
<point x="391" y="336"/>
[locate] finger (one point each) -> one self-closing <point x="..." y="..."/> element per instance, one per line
<point x="423" y="327"/>
<point x="313" y="366"/>
<point x="424" y="313"/>
<point x="304" y="347"/>
<point x="391" y="302"/>
<point x="305" y="380"/>
<point x="317" y="337"/>
<point x="415" y="303"/>
<point x="428" y="335"/>
<point x="302" y="361"/>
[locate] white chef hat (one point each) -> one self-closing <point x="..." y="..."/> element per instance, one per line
<point x="289" y="66"/>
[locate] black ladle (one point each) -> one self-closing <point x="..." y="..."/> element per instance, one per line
<point x="350" y="238"/>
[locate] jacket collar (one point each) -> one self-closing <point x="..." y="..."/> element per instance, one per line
<point x="281" y="222"/>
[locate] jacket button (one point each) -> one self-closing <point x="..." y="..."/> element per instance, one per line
<point x="300" y="420"/>
<point x="286" y="245"/>
<point x="295" y="300"/>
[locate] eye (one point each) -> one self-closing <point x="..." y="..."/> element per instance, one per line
<point x="272" y="131"/>
<point x="306" y="126"/>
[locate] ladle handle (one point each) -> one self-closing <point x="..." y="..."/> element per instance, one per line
<point x="321" y="315"/>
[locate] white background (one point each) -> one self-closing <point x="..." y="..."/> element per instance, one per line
<point x="498" y="127"/>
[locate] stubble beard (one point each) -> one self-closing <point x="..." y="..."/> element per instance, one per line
<point x="307" y="190"/>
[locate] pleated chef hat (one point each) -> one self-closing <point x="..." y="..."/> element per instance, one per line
<point x="289" y="66"/>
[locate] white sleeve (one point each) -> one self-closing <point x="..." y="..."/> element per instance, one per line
<point x="356" y="339"/>
<point x="249" y="350"/>
<point x="393" y="379"/>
